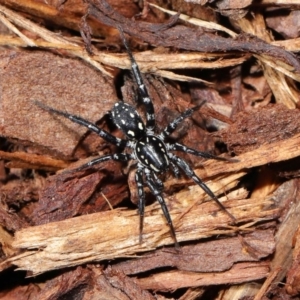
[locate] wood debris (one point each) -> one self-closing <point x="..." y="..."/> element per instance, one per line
<point x="74" y="233"/>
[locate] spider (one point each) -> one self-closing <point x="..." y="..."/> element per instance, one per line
<point x="150" y="150"/>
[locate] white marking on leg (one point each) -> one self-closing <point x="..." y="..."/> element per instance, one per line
<point x="153" y="168"/>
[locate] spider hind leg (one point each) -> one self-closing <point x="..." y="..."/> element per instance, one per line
<point x="191" y="174"/>
<point x="156" y="189"/>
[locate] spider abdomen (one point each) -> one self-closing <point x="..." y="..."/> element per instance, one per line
<point x="128" y="120"/>
<point x="152" y="153"/>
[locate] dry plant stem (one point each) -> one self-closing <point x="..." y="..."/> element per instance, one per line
<point x="198" y="22"/>
<point x="58" y="42"/>
<point x="45" y="10"/>
<point x="32" y="27"/>
<point x="266" y="284"/>
<point x="281" y="68"/>
<point x="51" y="37"/>
<point x="10" y="26"/>
<point x="149" y="62"/>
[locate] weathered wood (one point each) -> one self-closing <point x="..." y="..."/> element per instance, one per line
<point x="173" y="280"/>
<point x="113" y="234"/>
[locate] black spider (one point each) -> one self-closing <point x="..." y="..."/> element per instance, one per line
<point x="149" y="149"/>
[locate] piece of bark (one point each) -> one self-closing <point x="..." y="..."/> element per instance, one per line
<point x="286" y="24"/>
<point x="276" y="74"/>
<point x="257" y="127"/>
<point x="234" y="9"/>
<point x="72" y="193"/>
<point x="129" y="286"/>
<point x="62" y="83"/>
<point x="10" y="220"/>
<point x="21" y="292"/>
<point x="20" y="192"/>
<point x="112" y="234"/>
<point x="265" y="154"/>
<point x="281" y="150"/>
<point x="282" y="262"/>
<point x="278" y="151"/>
<point x="293" y="275"/>
<point x="211" y="256"/>
<point x="173" y="280"/>
<point x="70" y="284"/>
<point x="193" y="293"/>
<point x="88" y="283"/>
<point x="293" y="278"/>
<point x="32" y="161"/>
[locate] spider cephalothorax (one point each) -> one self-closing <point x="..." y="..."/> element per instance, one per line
<point x="150" y="150"/>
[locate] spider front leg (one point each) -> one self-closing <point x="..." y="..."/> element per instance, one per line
<point x="150" y="124"/>
<point x="76" y="119"/>
<point x="191" y="174"/>
<point x="116" y="157"/>
<point x="156" y="190"/>
<point x="173" y="125"/>
<point x="185" y="149"/>
<point x="179" y="147"/>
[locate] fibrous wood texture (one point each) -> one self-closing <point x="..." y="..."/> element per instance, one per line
<point x="74" y="232"/>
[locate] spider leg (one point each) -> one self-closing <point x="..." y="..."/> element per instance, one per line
<point x="76" y="119"/>
<point x="175" y="169"/>
<point x="157" y="192"/>
<point x="191" y="174"/>
<point x="150" y="124"/>
<point x="141" y="204"/>
<point x="185" y="149"/>
<point x="173" y="125"/>
<point x="98" y="160"/>
<point x="159" y="183"/>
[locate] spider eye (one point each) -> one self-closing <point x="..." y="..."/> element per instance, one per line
<point x="128" y="120"/>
